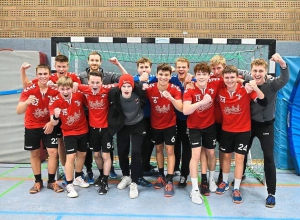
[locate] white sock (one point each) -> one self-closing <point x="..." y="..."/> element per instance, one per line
<point x="195" y="184"/>
<point x="211" y="175"/>
<point x="237" y="183"/>
<point x="225" y="177"/>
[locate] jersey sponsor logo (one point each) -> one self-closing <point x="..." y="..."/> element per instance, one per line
<point x="197" y="97"/>
<point x="64" y="111"/>
<point x="239" y="96"/>
<point x="233" y="110"/>
<point x="71" y="119"/>
<point x="96" y="104"/>
<point x="29" y="88"/>
<point x="36" y="102"/>
<point x="40" y="113"/>
<point x="163" y="109"/>
<point x="211" y="90"/>
<point x="205" y="107"/>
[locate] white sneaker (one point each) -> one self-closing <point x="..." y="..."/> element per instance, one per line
<point x="133" y="193"/>
<point x="71" y="192"/>
<point x="196" y="197"/>
<point x="80" y="182"/>
<point x="126" y="180"/>
<point x="212" y="186"/>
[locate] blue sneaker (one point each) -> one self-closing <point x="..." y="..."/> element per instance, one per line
<point x="222" y="188"/>
<point x="112" y="173"/>
<point x="169" y="190"/>
<point x="90" y="178"/>
<point x="270" y="201"/>
<point x="144" y="183"/>
<point x="237" y="196"/>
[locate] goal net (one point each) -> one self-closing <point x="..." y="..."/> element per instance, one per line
<point x="238" y="52"/>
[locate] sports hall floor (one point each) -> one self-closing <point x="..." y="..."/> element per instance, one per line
<point x="17" y="203"/>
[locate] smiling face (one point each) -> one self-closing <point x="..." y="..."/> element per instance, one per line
<point x="61" y="68"/>
<point x="43" y="75"/>
<point x="230" y="80"/>
<point x="94" y="62"/>
<point x="95" y="83"/>
<point x="259" y="73"/>
<point x="182" y="69"/>
<point x="202" y="79"/>
<point x="163" y="77"/>
<point x="126" y="90"/>
<point x="65" y="92"/>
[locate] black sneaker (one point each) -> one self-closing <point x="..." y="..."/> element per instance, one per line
<point x="151" y="172"/>
<point x="98" y="182"/>
<point x="270" y="201"/>
<point x="243" y="178"/>
<point x="182" y="182"/>
<point x="204" y="189"/>
<point x="103" y="189"/>
<point x="144" y="183"/>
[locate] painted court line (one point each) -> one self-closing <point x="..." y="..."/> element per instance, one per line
<point x="10" y="170"/>
<point x="19" y="183"/>
<point x="60" y="215"/>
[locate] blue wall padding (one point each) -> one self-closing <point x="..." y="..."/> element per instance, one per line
<point x="294" y="124"/>
<point x="282" y="154"/>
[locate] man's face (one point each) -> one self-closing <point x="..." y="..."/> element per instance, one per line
<point x="43" y="75"/>
<point x="230" y="79"/>
<point x="144" y="68"/>
<point x="202" y="78"/>
<point x="258" y="74"/>
<point x="61" y="68"/>
<point x="126" y="90"/>
<point x="94" y="62"/>
<point x="182" y="69"/>
<point x="217" y="70"/>
<point x="95" y="83"/>
<point x="163" y="77"/>
<point x="65" y="92"/>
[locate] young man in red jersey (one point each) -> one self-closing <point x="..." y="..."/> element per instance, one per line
<point x="236" y="126"/>
<point x="68" y="107"/>
<point x="164" y="97"/>
<point x="100" y="139"/>
<point x="61" y="66"/>
<point x="34" y="102"/>
<point x="198" y="103"/>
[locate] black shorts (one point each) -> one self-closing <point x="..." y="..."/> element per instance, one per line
<point x="33" y="138"/>
<point x="100" y="139"/>
<point x="167" y="135"/>
<point x="218" y="131"/>
<point x="234" y="142"/>
<point x="57" y="129"/>
<point x="203" y="137"/>
<point x="74" y="143"/>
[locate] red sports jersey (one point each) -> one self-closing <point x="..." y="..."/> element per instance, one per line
<point x="162" y="110"/>
<point x="218" y="112"/>
<point x="202" y="117"/>
<point x="73" y="120"/>
<point x="54" y="78"/>
<point x="235" y="108"/>
<point x="98" y="105"/>
<point x="37" y="114"/>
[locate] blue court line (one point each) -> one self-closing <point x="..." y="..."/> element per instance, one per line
<point x="132" y="215"/>
<point x="10" y="92"/>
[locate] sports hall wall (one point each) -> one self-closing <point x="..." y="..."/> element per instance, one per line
<point x="29" y="24"/>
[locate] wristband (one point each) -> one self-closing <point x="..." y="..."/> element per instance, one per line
<point x="54" y="118"/>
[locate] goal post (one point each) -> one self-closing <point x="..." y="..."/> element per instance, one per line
<point x="238" y="52"/>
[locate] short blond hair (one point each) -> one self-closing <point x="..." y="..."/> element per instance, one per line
<point x="184" y="60"/>
<point x="216" y="60"/>
<point x="259" y="62"/>
<point x="65" y="81"/>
